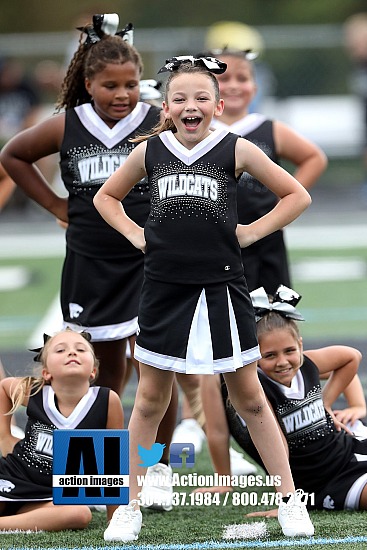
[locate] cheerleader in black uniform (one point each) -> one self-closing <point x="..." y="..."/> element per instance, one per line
<point x="195" y="314"/>
<point x="265" y="262"/>
<point x="60" y="398"/>
<point x="102" y="273"/>
<point x="327" y="461"/>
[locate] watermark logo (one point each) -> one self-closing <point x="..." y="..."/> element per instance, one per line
<point x="90" y="467"/>
<point x="182" y="455"/>
<point x="150" y="457"/>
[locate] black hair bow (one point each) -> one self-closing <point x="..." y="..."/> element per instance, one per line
<point x="211" y="64"/>
<point x="106" y="23"/>
<point x="284" y="301"/>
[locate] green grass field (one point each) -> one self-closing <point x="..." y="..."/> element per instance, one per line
<point x="335" y="308"/>
<point x="22" y="309"/>
<point x="201" y="527"/>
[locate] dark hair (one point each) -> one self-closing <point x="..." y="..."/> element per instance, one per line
<point x="167" y="123"/>
<point x="274" y="321"/>
<point x="90" y="59"/>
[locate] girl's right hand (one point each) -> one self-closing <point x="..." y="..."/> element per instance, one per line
<point x="244" y="235"/>
<point x="60" y="210"/>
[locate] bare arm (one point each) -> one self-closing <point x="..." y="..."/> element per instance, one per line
<point x="341" y="362"/>
<point x="356" y="409"/>
<point x="7" y="186"/>
<point x="21" y="153"/>
<point x="354" y="395"/>
<point x="310" y="161"/>
<point x="108" y="199"/>
<point x="7" y="440"/>
<point x="115" y="417"/>
<point x="293" y="197"/>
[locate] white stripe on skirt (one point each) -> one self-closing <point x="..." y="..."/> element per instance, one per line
<point x="199" y="354"/>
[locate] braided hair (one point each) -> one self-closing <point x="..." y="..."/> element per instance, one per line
<point x="90" y="59"/>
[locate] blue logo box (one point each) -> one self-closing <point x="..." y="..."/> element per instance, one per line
<point x="182" y="455"/>
<point x="90" y="467"/>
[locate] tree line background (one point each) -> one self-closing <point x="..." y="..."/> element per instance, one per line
<point x="49" y="15"/>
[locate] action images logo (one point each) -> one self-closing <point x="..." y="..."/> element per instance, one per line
<point x="91" y="467"/>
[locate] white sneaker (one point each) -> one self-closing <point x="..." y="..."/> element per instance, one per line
<point x="239" y="465"/>
<point x="125" y="524"/>
<point x="157" y="491"/>
<point x="359" y="429"/>
<point x="189" y="431"/>
<point x="293" y="517"/>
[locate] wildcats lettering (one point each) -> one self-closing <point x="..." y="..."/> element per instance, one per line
<point x="99" y="167"/>
<point x="180" y="185"/>
<point x="44" y="443"/>
<point x="306" y="416"/>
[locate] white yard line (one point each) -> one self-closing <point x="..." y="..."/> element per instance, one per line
<point x="43" y="245"/>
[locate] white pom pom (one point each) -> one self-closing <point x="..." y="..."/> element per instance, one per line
<point x="245" y="530"/>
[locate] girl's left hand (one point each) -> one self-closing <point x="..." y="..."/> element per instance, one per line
<point x="137" y="238"/>
<point x="349" y="414"/>
<point x="244" y="235"/>
<point x="339" y="425"/>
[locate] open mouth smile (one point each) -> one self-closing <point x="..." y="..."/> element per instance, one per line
<point x="191" y="122"/>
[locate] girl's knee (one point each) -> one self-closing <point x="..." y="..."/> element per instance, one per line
<point x="79" y="517"/>
<point x="252" y="404"/>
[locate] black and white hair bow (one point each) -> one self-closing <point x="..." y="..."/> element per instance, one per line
<point x="46" y="337"/>
<point x="149" y="89"/>
<point x="284" y="301"/>
<point x="107" y="23"/>
<point x="247" y="54"/>
<point x="211" y="64"/>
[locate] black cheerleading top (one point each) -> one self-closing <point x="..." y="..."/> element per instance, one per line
<point x="90" y="153"/>
<point x="190" y="232"/>
<point x="317" y="451"/>
<point x="26" y="473"/>
<point x="254" y="199"/>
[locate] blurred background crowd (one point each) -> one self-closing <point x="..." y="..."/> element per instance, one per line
<point x="311" y="68"/>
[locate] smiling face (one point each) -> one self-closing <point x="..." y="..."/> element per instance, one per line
<point x="191" y="103"/>
<point x="115" y="91"/>
<point x="68" y="354"/>
<point x="237" y="85"/>
<point x="281" y="355"/>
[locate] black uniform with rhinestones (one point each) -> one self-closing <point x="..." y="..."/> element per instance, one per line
<point x="190" y="231"/>
<point x="315" y="446"/>
<point x="90" y="153"/>
<point x="26" y="473"/>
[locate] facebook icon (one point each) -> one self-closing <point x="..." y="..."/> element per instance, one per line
<point x="182" y="455"/>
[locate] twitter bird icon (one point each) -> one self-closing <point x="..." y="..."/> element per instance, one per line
<point x="151" y="456"/>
